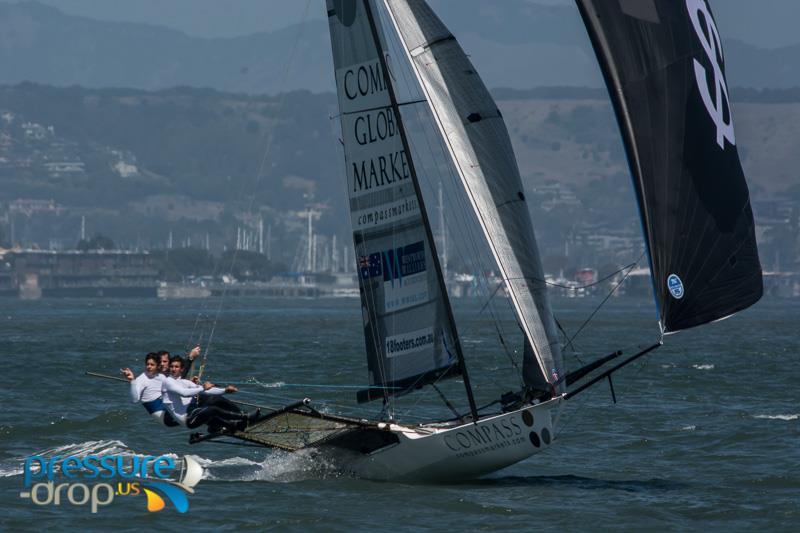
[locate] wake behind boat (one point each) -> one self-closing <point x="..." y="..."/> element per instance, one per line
<point x="662" y="62"/>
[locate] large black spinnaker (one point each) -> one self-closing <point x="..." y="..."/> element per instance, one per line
<point x="663" y="65"/>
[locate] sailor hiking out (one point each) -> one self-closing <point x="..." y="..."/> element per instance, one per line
<point x="193" y="405"/>
<point x="147" y="389"/>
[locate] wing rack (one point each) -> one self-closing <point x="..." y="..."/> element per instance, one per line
<point x="291" y="428"/>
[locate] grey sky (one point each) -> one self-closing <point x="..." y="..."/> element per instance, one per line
<point x="764" y="23"/>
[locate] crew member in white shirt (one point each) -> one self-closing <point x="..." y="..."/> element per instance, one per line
<point x="146" y="389"/>
<point x="164" y="358"/>
<point x="193" y="405"/>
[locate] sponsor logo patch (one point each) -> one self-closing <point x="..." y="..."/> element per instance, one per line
<point x="412" y="341"/>
<point x="394" y="264"/>
<point x="675" y="286"/>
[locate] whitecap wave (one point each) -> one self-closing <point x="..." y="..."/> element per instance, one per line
<point x="706" y="366"/>
<point x="778" y="417"/>
<point x="89" y="447"/>
<point x="688" y="428"/>
<point x="230" y="461"/>
<point x="277" y="466"/>
<point x="273" y="385"/>
<point x="80" y="449"/>
<point x="9" y="470"/>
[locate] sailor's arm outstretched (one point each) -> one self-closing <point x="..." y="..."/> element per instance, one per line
<point x="146" y="389"/>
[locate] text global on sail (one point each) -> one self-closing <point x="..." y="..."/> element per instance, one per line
<point x="372" y="127"/>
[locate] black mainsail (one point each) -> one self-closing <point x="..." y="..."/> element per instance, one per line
<point x="663" y="64"/>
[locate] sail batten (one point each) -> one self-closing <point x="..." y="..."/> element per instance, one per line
<point x="665" y="72"/>
<point x="477" y="140"/>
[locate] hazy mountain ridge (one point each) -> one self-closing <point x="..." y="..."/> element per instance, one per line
<point x="525" y="45"/>
<point x="38" y="43"/>
<point x="207" y="144"/>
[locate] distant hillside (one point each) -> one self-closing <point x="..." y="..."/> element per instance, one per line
<point x="195" y="166"/>
<point x="570" y="135"/>
<point x="523" y="45"/>
<point x="203" y="143"/>
<point x="210" y="145"/>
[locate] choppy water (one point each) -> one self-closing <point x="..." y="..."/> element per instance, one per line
<point x="706" y="433"/>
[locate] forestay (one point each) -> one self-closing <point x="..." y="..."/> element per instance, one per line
<point x="665" y="71"/>
<point x="410" y="335"/>
<point x="476" y="136"/>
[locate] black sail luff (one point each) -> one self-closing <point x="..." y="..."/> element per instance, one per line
<point x="663" y="65"/>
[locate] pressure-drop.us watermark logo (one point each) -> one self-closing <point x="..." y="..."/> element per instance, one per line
<point x="97" y="481"/>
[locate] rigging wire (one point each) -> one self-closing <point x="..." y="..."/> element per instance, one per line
<point x="630" y="266"/>
<point x="569" y="341"/>
<point x="609" y="295"/>
<point x="259" y="176"/>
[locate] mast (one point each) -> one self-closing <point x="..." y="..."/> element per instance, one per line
<point x="423" y="212"/>
<point x="260" y="234"/>
<point x="309" y="239"/>
<point x="443" y="232"/>
<point x="269" y="242"/>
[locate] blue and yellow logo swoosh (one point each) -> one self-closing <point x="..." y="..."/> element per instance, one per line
<point x="155" y="501"/>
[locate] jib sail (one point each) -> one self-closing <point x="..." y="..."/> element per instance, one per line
<point x="476" y="136"/>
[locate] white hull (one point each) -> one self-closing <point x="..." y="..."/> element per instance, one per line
<point x="437" y="452"/>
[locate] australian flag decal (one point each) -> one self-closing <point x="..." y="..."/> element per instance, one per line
<point x="370" y="265"/>
<point x="393" y="264"/>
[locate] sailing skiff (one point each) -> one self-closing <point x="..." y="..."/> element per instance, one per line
<point x="663" y="64"/>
